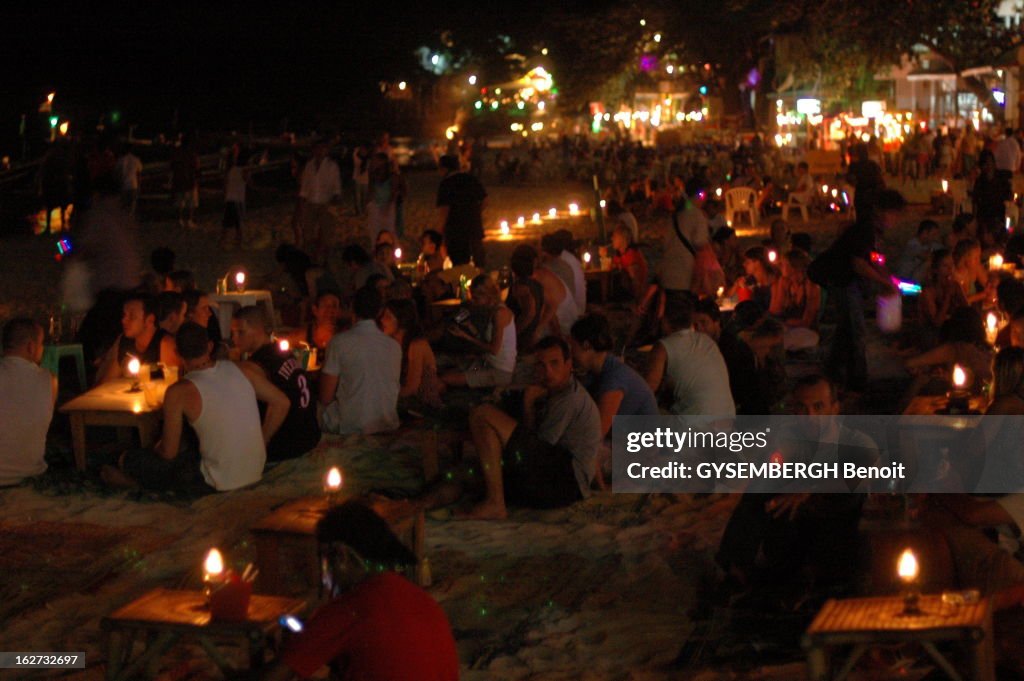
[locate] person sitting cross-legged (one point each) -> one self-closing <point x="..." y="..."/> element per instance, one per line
<point x="300" y="432"/>
<point x="377" y="626"/>
<point x="218" y="400"/>
<point x="547" y="459"/>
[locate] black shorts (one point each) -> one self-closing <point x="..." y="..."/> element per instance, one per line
<point x="537" y="474"/>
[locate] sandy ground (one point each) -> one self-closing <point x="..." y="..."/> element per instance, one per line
<point x="602" y="590"/>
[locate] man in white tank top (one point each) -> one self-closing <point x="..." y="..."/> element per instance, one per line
<point x="218" y="399"/>
<point x="497" y="342"/>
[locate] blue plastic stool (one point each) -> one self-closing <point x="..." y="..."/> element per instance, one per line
<point x="52" y="354"/>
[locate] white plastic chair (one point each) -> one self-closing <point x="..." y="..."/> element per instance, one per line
<point x="741" y="200"/>
<point x="793" y="202"/>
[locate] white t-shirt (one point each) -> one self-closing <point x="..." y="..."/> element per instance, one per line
<point x="320" y="185"/>
<point x="579" y="292"/>
<point x="675" y="270"/>
<point x="229" y="427"/>
<point x="1007" y="154"/>
<point x="368" y="364"/>
<point x="26" y="408"/>
<point x="696" y="371"/>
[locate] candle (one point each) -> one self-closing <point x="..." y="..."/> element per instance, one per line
<point x="134" y="366"/>
<point x="995" y="261"/>
<point x="603" y="203"/>
<point x="721" y="291"/>
<point x="536" y="218"/>
<point x="945" y="186"/>
<point x="398" y="254"/>
<point x="504" y="229"/>
<point x="991" y="327"/>
<point x="772" y="256"/>
<point x="213" y="566"/>
<point x="240" y="281"/>
<point x="552" y="213"/>
<point x="959" y="377"/>
<point x="521" y="221"/>
<point x="332" y="485"/>
<point x="574" y="209"/>
<point x="907" y="570"/>
<point x="718" y="192"/>
<point x="586" y="258"/>
<point x="824" y="189"/>
<point x="283" y="345"/>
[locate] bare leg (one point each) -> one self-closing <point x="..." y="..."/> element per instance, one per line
<point x="491" y="429"/>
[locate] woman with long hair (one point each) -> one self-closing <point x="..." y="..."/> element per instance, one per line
<point x="420" y="383"/>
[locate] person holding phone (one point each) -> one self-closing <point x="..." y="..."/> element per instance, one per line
<point x="378" y="626"/>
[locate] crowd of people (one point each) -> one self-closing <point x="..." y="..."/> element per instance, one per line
<point x="539" y="366"/>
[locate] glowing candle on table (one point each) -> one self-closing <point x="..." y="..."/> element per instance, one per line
<point x="991" y="327"/>
<point x="721" y="291"/>
<point x="521" y="221"/>
<point x="504" y="229"/>
<point x="574" y="209"/>
<point x="824" y="189"/>
<point x="213" y="572"/>
<point x="603" y="203"/>
<point x="995" y="261"/>
<point x="945" y="186"/>
<point x="134" y="367"/>
<point x="552" y="213"/>
<point x="536" y="218"/>
<point x="718" y="192"/>
<point x="586" y="258"/>
<point x="959" y="377"/>
<point x="240" y="281"/>
<point x="907" y="569"/>
<point x="283" y="345"/>
<point x="332" y="485"/>
<point x="772" y="256"/>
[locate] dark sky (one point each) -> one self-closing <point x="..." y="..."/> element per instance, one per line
<point x="221" y="63"/>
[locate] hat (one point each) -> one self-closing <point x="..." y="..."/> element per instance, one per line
<point x="360" y="528"/>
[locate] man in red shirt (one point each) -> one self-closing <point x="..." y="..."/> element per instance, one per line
<point x="378" y="625"/>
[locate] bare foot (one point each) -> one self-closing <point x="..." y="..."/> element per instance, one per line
<point x="114" y="477"/>
<point x="483" y="512"/>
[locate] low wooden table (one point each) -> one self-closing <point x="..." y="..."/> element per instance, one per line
<point x="111" y="404"/>
<point x="286" y="548"/>
<point x="866" y="622"/>
<point x="928" y="405"/>
<point x="163" y="617"/>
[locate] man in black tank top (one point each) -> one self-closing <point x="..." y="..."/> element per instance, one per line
<point x="300" y="431"/>
<point x="140" y="338"/>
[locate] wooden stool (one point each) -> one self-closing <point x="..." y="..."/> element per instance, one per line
<point x="286" y="547"/>
<point x="866" y="622"/>
<point x="163" y="617"/>
<point x="52" y="355"/>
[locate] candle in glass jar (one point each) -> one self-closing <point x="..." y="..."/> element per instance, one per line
<point x="995" y="261"/>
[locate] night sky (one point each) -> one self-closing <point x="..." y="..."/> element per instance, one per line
<point x="226" y="63"/>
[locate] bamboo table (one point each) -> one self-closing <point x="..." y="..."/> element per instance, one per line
<point x="866" y="622"/>
<point x="163" y="617"/>
<point x="112" y="404"/>
<point x="286" y="548"/>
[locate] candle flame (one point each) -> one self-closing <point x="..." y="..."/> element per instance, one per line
<point x="721" y="291"/>
<point x="718" y="192"/>
<point x="824" y="189"/>
<point x="586" y="258"/>
<point x="552" y="212"/>
<point x="134" y="365"/>
<point x="945" y="186"/>
<point x="536" y="217"/>
<point x="240" y="278"/>
<point x="520" y="221"/>
<point x="995" y="262"/>
<point x="992" y="321"/>
<point x="574" y="208"/>
<point x="959" y="376"/>
<point x="214" y="564"/>
<point x="772" y="256"/>
<point x="907" y="566"/>
<point x="334" y="479"/>
<point x="504" y="229"/>
<point x="398" y="254"/>
<point x="284" y="345"/>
